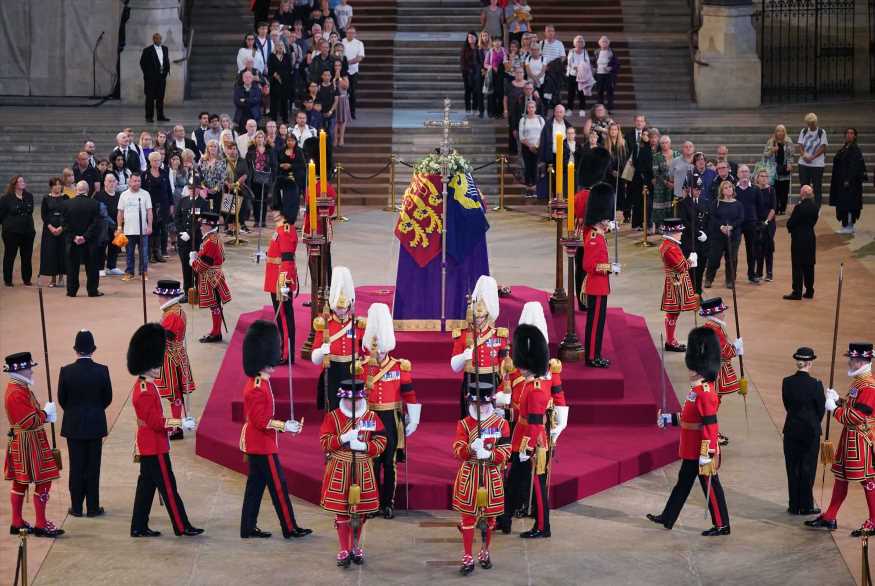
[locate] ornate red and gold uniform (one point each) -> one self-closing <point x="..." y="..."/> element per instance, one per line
<point x="28" y="456"/>
<point x="596" y="263"/>
<point x="339" y="335"/>
<point x="338" y="469"/>
<point x="259" y="433"/>
<point x="855" y="452"/>
<point x="281" y="259"/>
<point x="492" y="348"/>
<point x="495" y="432"/>
<point x="175" y="377"/>
<point x="518" y="383"/>
<point x="727" y="379"/>
<point x="698" y="421"/>
<point x="212" y="287"/>
<point x="677" y="292"/>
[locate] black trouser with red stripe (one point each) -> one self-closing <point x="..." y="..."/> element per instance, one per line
<point x="285" y="322"/>
<point x="265" y="471"/>
<point x="156" y="473"/>
<point x="517" y="484"/>
<point x="686" y="477"/>
<point x="386" y="461"/>
<point x="596" y="310"/>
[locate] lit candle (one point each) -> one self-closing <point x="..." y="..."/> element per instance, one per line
<point x="311" y="196"/>
<point x="570" y="198"/>
<point x="560" y="163"/>
<point x="323" y="163"/>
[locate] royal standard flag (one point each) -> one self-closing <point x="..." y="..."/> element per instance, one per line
<point x="466" y="216"/>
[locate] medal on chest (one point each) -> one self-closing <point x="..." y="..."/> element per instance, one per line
<point x="691" y="397"/>
<point x="853" y="393"/>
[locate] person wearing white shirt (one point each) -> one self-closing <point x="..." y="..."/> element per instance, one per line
<point x="247" y="138"/>
<point x="354" y="51"/>
<point x="155" y="65"/>
<point x="134" y="210"/>
<point x="529" y="137"/>
<point x="343" y="15"/>
<point x="263" y="44"/>
<point x="551" y="47"/>
<point x="579" y="75"/>
<point x="249" y="51"/>
<point x="301" y="130"/>
<point x="812" y="145"/>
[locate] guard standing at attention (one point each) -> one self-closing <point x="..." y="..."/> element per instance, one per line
<point x="175" y="378"/>
<point x="281" y="280"/>
<point x="212" y="288"/>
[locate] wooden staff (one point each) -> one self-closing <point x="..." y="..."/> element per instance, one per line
<point x="742" y="384"/>
<point x="827" y="449"/>
<point x="56" y="453"/>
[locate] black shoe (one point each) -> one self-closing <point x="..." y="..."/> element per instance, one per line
<point x="716" y="531"/>
<point x="707" y="284"/>
<point x="675" y="347"/>
<point x="866" y="529"/>
<point x="256" y="533"/>
<point x="163" y="119"/>
<point x="658" y="519"/>
<point x="484" y="560"/>
<point x="96" y="512"/>
<point x="722" y="439"/>
<point x="467" y="566"/>
<point x="598" y="363"/>
<point x="176" y="435"/>
<point x="159" y="259"/>
<point x="13" y="530"/>
<point x="753" y="280"/>
<point x="535" y="533"/>
<point x="299" y="532"/>
<point x="192" y="531"/>
<point x="150" y="120"/>
<point x="792" y="511"/>
<point x="811" y="511"/>
<point x="821" y="523"/>
<point x="69" y="294"/>
<point x="793" y="296"/>
<point x="769" y="278"/>
<point x="730" y="284"/>
<point x="808" y="294"/>
<point x="96" y="294"/>
<point x="388" y="512"/>
<point x="358" y="556"/>
<point x="504" y="524"/>
<point x="343" y="561"/>
<point x="73" y="513"/>
<point x="307" y="304"/>
<point x="210" y="339"/>
<point x="49" y="531"/>
<point x="145" y="533"/>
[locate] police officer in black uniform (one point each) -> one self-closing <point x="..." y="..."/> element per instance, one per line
<point x="695" y="212"/>
<point x="804" y="401"/>
<point x="193" y="202"/>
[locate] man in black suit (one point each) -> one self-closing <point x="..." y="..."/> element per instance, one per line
<point x="84" y="392"/>
<point x="127" y="151"/>
<point x="155" y="64"/>
<point x="82" y="225"/>
<point x="803" y="244"/>
<point x="805" y="403"/>
<point x="633" y="136"/>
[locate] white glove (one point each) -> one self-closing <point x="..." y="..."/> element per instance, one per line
<point x="612" y="225"/>
<point x="477" y="444"/>
<point x="184" y="236"/>
<point x="188" y="423"/>
<point x="483" y="453"/>
<point x="739" y="347"/>
<point x="615" y="268"/>
<point x="502" y="399"/>
<point x="284" y="291"/>
<point x="704" y="460"/>
<point x="524" y="456"/>
<point x="561" y="412"/>
<point x="412" y="418"/>
<point x="468" y="353"/>
<point x="663" y="420"/>
<point x="350" y="435"/>
<point x="358" y="445"/>
<point x="694" y="260"/>
<point x="192" y="256"/>
<point x="702" y="236"/>
<point x="499" y="411"/>
<point x="319" y="353"/>
<point x="51" y="412"/>
<point x="830" y="404"/>
<point x="293" y="426"/>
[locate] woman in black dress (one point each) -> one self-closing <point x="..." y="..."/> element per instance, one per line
<point x="279" y="69"/>
<point x="52" y="257"/>
<point x="16" y="220"/>
<point x="846" y="186"/>
<point x="290" y="179"/>
<point x="262" y="160"/>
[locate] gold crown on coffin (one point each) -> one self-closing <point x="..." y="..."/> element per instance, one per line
<point x="342" y="302"/>
<point x="477" y="309"/>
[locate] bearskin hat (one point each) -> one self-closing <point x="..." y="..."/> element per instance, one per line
<point x="703" y="353"/>
<point x="600" y="205"/>
<point x="594" y="167"/>
<point x="530" y="351"/>
<point x="261" y="347"/>
<point x="146" y="349"/>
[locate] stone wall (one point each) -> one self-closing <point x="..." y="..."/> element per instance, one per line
<point x="47" y="47"/>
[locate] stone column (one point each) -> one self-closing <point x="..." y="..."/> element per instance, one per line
<point x="728" y="72"/>
<point x="149" y="17"/>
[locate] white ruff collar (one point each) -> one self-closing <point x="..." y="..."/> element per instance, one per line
<point x="485" y="411"/>
<point x="360" y="408"/>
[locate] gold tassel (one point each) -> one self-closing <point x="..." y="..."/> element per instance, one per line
<point x="541" y="460"/>
<point x="827" y="452"/>
<point x="742" y="387"/>
<point x="355" y="494"/>
<point x="482" y="497"/>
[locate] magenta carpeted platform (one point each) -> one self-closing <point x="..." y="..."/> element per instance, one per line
<point x="611" y="436"/>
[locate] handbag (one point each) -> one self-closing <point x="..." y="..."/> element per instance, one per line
<point x="120" y="240"/>
<point x="628" y="173"/>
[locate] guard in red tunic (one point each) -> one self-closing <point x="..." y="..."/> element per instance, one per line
<point x="333" y="343"/>
<point x="678" y="293"/>
<point x="152" y="448"/>
<point x="258" y="438"/>
<point x="29" y="458"/>
<point x="351" y="436"/>
<point x="598" y="267"/>
<point x="212" y="288"/>
<point x="175" y="378"/>
<point x="281" y="280"/>
<point x="482" y="444"/>
<point x="699" y="450"/>
<point x="593" y="168"/>
<point x="391" y="395"/>
<point x="491" y="362"/>
<point x="855" y="452"/>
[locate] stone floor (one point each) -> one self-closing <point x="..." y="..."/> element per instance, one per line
<point x="601" y="540"/>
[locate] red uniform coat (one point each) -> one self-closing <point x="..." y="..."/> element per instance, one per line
<point x="389" y="383"/>
<point x="677" y="291"/>
<point x="339" y="335"/>
<point x="175" y="377"/>
<point x="855" y="453"/>
<point x="492" y="348"/>
<point x="260" y="429"/>
<point x="338" y="469"/>
<point x="152" y="426"/>
<point x="28" y="455"/>
<point x="281" y="258"/>
<point x="580" y="199"/>
<point x="727" y="380"/>
<point x="698" y="420"/>
<point x="530" y="431"/>
<point x="332" y="210"/>
<point x="211" y="285"/>
<point x="596" y="263"/>
<point x="496" y="436"/>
